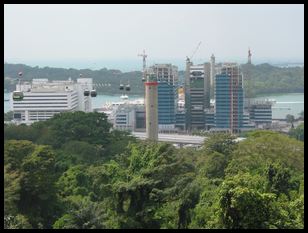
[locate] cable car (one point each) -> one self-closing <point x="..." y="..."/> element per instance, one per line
<point x="86" y="93"/>
<point x="121" y="87"/>
<point x="18" y="95"/>
<point x="143" y="79"/>
<point x="127" y="88"/>
<point x="93" y="93"/>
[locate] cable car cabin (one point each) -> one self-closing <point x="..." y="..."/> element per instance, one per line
<point x="18" y="95"/>
<point x="127" y="88"/>
<point x="143" y="79"/>
<point x="93" y="93"/>
<point x="86" y="93"/>
<point x="121" y="87"/>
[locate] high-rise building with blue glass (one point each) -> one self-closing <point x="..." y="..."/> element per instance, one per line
<point x="167" y="78"/>
<point x="229" y="99"/>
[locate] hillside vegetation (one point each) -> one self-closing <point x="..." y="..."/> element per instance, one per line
<point x="72" y="172"/>
<point x="103" y="76"/>
<point x="261" y="79"/>
<point x="265" y="79"/>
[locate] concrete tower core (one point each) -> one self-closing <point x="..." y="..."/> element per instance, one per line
<point x="151" y="107"/>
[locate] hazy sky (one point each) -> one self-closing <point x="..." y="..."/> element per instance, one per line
<point x="111" y="32"/>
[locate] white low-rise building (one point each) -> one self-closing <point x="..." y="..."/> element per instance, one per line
<point x="42" y="99"/>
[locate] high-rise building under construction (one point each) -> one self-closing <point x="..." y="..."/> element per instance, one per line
<point x="197" y="94"/>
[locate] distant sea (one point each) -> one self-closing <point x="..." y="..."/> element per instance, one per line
<point x="292" y="103"/>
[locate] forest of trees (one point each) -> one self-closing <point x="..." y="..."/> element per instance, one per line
<point x="259" y="79"/>
<point x="265" y="79"/>
<point x="102" y="76"/>
<point x="74" y="172"/>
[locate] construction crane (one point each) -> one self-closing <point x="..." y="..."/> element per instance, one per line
<point x="144" y="56"/>
<point x="194" y="52"/>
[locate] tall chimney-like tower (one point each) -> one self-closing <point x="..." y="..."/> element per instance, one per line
<point x="151" y="106"/>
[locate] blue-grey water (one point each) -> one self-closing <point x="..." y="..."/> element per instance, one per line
<point x="292" y="103"/>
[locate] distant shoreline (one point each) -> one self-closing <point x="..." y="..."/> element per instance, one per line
<point x="278" y="94"/>
<point x="133" y="65"/>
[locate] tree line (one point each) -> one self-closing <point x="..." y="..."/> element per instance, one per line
<point x="258" y="79"/>
<point x="74" y="172"/>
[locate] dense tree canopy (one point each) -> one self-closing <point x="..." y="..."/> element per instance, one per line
<point x="99" y="178"/>
<point x="264" y="79"/>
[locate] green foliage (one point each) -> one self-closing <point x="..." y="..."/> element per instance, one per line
<point x="8" y="116"/>
<point x="109" y="179"/>
<point x="11" y="191"/>
<point x="20" y="132"/>
<point x="87" y="127"/>
<point x="264" y="79"/>
<point x="220" y="142"/>
<point x="265" y="147"/>
<point x="155" y="176"/>
<point x="189" y="199"/>
<point x="73" y="182"/>
<point x="167" y="216"/>
<point x="215" y="165"/>
<point x="85" y="215"/>
<point x="244" y="208"/>
<point x="259" y="79"/>
<point x="15" y="151"/>
<point x="288" y="214"/>
<point x="103" y="177"/>
<point x="119" y="142"/>
<point x="102" y="76"/>
<point x="298" y="132"/>
<point x="279" y="179"/>
<point x="82" y="152"/>
<point x="16" y="222"/>
<point x="290" y="118"/>
<point x="38" y="194"/>
<point x="206" y="213"/>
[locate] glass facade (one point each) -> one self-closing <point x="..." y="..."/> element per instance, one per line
<point x="166" y="103"/>
<point x="261" y="113"/>
<point x="229" y="100"/>
<point x="180" y="120"/>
